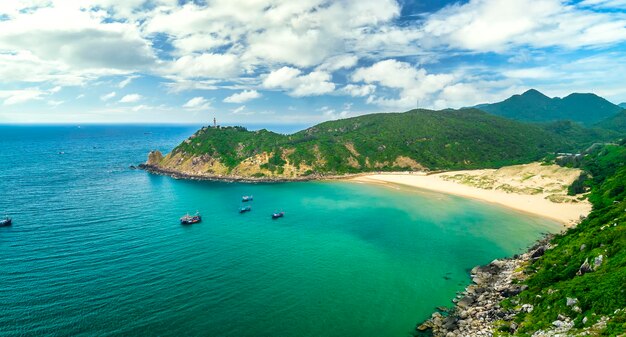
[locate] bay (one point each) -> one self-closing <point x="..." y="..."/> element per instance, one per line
<point x="96" y="247"/>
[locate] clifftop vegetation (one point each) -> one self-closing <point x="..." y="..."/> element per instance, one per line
<point x="417" y="139"/>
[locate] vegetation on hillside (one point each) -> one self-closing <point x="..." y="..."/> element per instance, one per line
<point x="449" y="139"/>
<point x="616" y="123"/>
<point x="587" y="264"/>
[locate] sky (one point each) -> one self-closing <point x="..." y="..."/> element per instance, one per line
<point x="296" y="62"/>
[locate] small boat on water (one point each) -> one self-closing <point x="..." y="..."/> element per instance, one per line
<point x="190" y="219"/>
<point x="245" y="209"/>
<point x="6" y="222"/>
<point x="278" y="215"/>
<point x="247" y="198"/>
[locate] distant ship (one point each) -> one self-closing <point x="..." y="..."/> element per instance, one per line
<point x="6" y="222"/>
<point x="246" y="198"/>
<point x="190" y="219"/>
<point x="278" y="215"/>
<point x="245" y="209"/>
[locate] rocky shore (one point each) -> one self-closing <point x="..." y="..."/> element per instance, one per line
<point x="155" y="169"/>
<point x="477" y="310"/>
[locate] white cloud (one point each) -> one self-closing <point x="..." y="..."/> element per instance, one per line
<point x="356" y="90"/>
<point x="414" y="84"/>
<point x="79" y="39"/>
<point x="140" y="107"/>
<point x="197" y="103"/>
<point x="127" y="81"/>
<point x="531" y="73"/>
<point x="131" y="98"/>
<point x="239" y="109"/>
<point x="242" y="111"/>
<point x="604" y="3"/>
<point x="339" y="62"/>
<point x="242" y="97"/>
<point x="290" y="79"/>
<point x="499" y="25"/>
<point x="12" y="97"/>
<point x="332" y="114"/>
<point x="205" y="66"/>
<point x="303" y="33"/>
<point x="54" y="103"/>
<point x="108" y="96"/>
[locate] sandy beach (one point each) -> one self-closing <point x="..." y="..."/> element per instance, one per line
<point x="532" y="188"/>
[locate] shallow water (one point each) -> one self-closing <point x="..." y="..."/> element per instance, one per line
<point x="96" y="248"/>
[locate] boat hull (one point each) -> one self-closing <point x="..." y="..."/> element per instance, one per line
<point x="190" y="220"/>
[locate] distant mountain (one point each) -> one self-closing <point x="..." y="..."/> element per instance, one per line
<point x="615" y="123"/>
<point x="623" y="105"/>
<point x="533" y="106"/>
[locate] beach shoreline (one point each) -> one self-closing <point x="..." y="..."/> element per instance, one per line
<point x="566" y="213"/>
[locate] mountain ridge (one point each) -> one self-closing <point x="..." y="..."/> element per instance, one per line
<point x="534" y="106"/>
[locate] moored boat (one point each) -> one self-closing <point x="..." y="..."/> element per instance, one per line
<point x="190" y="219"/>
<point x="247" y="198"/>
<point x="245" y="209"/>
<point x="278" y="215"/>
<point x="6" y="222"/>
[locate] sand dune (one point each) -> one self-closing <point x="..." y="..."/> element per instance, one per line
<point x="532" y="188"/>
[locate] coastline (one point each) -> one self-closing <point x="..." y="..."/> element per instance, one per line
<point x="153" y="169"/>
<point x="568" y="214"/>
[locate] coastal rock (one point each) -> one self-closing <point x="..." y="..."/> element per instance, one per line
<point x="538" y="252"/>
<point x="584" y="268"/>
<point x="154" y="157"/>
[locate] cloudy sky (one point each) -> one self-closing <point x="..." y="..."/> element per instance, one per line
<point x="296" y="62"/>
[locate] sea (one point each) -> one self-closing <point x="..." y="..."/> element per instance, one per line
<point x="96" y="247"/>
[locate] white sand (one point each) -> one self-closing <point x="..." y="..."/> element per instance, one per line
<point x="517" y="198"/>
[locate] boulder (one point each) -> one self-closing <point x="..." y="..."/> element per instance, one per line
<point x="597" y="262"/>
<point x="584" y="268"/>
<point x="154" y="157"/>
<point x="538" y="252"/>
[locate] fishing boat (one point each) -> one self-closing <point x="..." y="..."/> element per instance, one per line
<point x="6" y="222"/>
<point x="246" y="198"/>
<point x="245" y="209"/>
<point x="278" y="215"/>
<point x="190" y="219"/>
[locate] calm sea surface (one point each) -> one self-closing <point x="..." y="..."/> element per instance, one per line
<point x="96" y="248"/>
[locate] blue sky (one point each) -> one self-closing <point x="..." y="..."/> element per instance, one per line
<point x="296" y="62"/>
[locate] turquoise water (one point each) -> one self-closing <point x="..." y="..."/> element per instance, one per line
<point x="96" y="248"/>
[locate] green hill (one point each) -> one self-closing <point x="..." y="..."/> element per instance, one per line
<point x="594" y="291"/>
<point x="616" y="123"/>
<point x="533" y="106"/>
<point x="417" y="139"/>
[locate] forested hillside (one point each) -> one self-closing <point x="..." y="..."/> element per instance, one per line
<point x="417" y="139"/>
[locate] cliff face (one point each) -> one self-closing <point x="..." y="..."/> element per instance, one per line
<point x="208" y="167"/>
